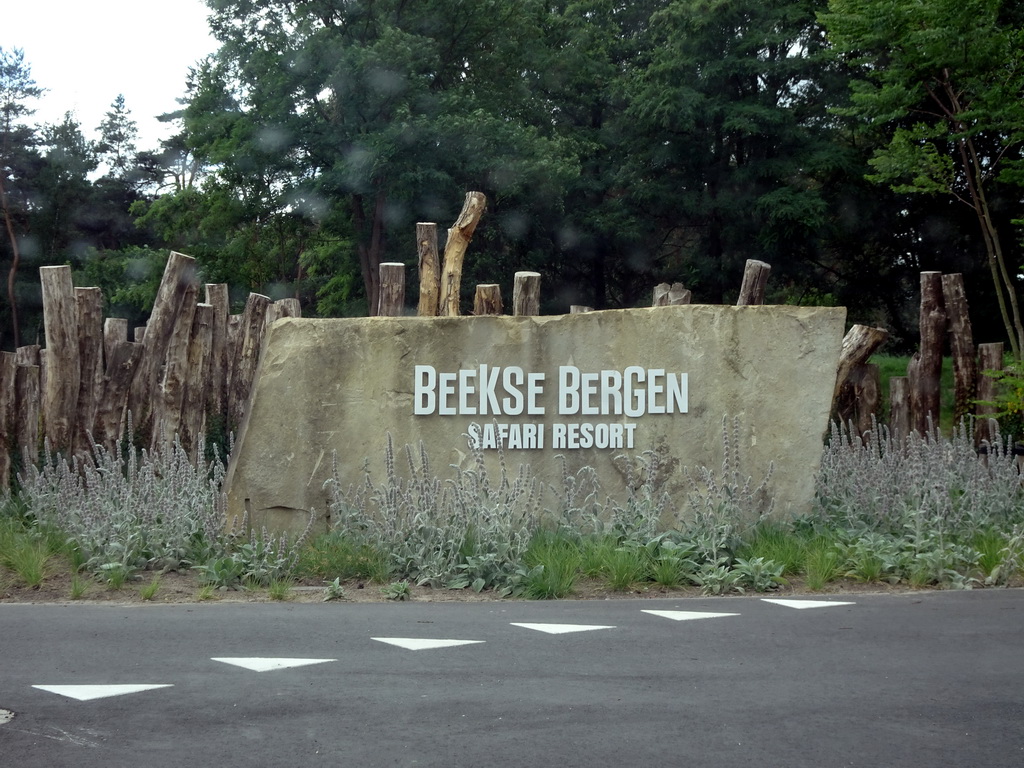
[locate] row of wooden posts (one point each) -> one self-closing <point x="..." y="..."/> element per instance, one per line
<point x="188" y="370"/>
<point x="914" y="399"/>
<point x="191" y="368"/>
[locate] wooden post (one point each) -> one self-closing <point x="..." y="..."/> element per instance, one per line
<point x="899" y="408"/>
<point x="924" y="392"/>
<point x="115" y="329"/>
<point x="27" y="388"/>
<point x="755" y="279"/>
<point x="459" y="237"/>
<point x="392" y="289"/>
<point x="990" y="358"/>
<point x="171" y="392"/>
<point x="247" y="356"/>
<point x="526" y="294"/>
<point x="197" y="378"/>
<point x="220" y="360"/>
<point x="579" y="309"/>
<point x="60" y="318"/>
<point x="859" y="344"/>
<point x="430" y="269"/>
<point x="487" y="300"/>
<point x="178" y="275"/>
<point x="8" y="409"/>
<point x="89" y="302"/>
<point x="30" y="354"/>
<point x="117" y="381"/>
<point x="139" y="334"/>
<point x="961" y="342"/>
<point x="666" y="295"/>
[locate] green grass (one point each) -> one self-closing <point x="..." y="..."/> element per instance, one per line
<point x="625" y="567"/>
<point x="821" y="562"/>
<point x="554" y="566"/>
<point x="779" y="543"/>
<point x="149" y="591"/>
<point x="331" y="556"/>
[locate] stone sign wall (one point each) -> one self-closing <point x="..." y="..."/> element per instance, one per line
<point x="593" y="388"/>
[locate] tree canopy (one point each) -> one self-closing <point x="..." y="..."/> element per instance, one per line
<point x="850" y="144"/>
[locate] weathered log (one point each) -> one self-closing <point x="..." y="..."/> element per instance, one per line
<point x="392" y="289"/>
<point x="234" y="341"/>
<point x="859" y="344"/>
<point x="990" y="358"/>
<point x="961" y="342"/>
<point x="924" y="392"/>
<point x="247" y="353"/>
<point x="171" y="392"/>
<point x="459" y="237"/>
<point x="430" y="269"/>
<point x="60" y="318"/>
<point x="30" y="354"/>
<point x="487" y="300"/>
<point x="178" y="277"/>
<point x="115" y="329"/>
<point x="859" y="397"/>
<point x="139" y="334"/>
<point x="579" y="309"/>
<point x="89" y="303"/>
<point x="289" y="307"/>
<point x="755" y="280"/>
<point x="220" y="361"/>
<point x="666" y="295"/>
<point x="27" y="383"/>
<point x="526" y="294"/>
<point x="8" y="410"/>
<point x="197" y="380"/>
<point x="117" y="379"/>
<point x="899" y="408"/>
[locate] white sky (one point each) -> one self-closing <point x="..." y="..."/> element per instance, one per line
<point x="86" y="52"/>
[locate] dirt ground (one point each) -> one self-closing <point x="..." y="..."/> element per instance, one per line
<point x="186" y="588"/>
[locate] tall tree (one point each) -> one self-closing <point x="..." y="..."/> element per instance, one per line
<point x="942" y="81"/>
<point x="374" y="114"/>
<point x="17" y="90"/>
<point x="732" y="135"/>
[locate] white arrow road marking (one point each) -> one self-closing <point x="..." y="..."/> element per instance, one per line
<point x="423" y="643"/>
<point x="802" y="604"/>
<point x="90" y="692"/>
<point x="561" y="629"/>
<point x="260" y="664"/>
<point x="688" y="615"/>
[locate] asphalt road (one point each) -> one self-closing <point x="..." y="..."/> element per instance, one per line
<point x="922" y="679"/>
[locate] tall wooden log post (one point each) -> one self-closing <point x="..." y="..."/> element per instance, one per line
<point x="859" y="344"/>
<point x="526" y="294"/>
<point x="178" y="275"/>
<point x="961" y="342"/>
<point x="899" y="408"/>
<point x="60" y="319"/>
<point x="8" y="409"/>
<point x="990" y="358"/>
<point x="197" y="378"/>
<point x="247" y="354"/>
<point x="927" y="372"/>
<point x="220" y="356"/>
<point x="429" y="268"/>
<point x="27" y="388"/>
<point x="459" y="237"/>
<point x="392" y="290"/>
<point x="666" y="295"/>
<point x="115" y="330"/>
<point x="755" y="280"/>
<point x="117" y="380"/>
<point x="487" y="300"/>
<point x="171" y="392"/>
<point x="89" y="304"/>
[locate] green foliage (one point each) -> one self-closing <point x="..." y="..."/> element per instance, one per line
<point x="1009" y="400"/>
<point x="552" y="565"/>
<point x="334" y="591"/>
<point x="397" y="591"/>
